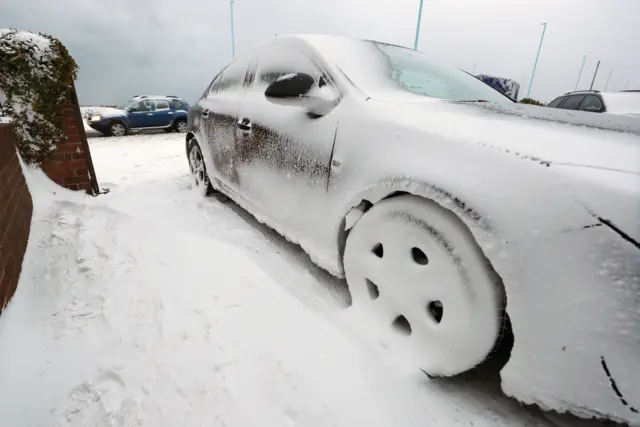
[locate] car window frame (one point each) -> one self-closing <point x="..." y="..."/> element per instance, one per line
<point x="562" y="99"/>
<point x="598" y="97"/>
<point x="242" y="86"/>
<point x="155" y="105"/>
<point x="305" y="52"/>
<point x="575" y="95"/>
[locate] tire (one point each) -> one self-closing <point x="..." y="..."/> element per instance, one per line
<point x="198" y="170"/>
<point x="419" y="279"/>
<point x="117" y="128"/>
<point x="180" y="125"/>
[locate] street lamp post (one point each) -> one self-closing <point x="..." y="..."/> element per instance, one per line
<point x="584" y="58"/>
<point x="535" y="64"/>
<point x="606" y="86"/>
<point x="233" y="34"/>
<point x="415" y="42"/>
<point x="595" y="73"/>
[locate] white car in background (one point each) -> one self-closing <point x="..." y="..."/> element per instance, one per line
<point x="448" y="208"/>
<point x="626" y="102"/>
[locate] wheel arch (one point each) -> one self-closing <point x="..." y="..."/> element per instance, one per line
<point x="473" y="217"/>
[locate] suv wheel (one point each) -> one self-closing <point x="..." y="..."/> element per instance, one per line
<point x="180" y="125"/>
<point x="117" y="129"/>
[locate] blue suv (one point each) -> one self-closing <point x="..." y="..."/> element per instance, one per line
<point x="142" y="112"/>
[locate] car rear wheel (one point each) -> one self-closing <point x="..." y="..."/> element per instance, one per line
<point x="180" y="126"/>
<point x="201" y="179"/>
<point x="423" y="286"/>
<point x="117" y="129"/>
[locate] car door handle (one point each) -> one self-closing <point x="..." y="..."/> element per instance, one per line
<point x="149" y="114"/>
<point x="205" y="113"/>
<point x="244" y="124"/>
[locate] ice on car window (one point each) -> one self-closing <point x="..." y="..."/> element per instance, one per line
<point x="280" y="62"/>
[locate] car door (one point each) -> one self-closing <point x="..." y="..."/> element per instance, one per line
<point x="283" y="153"/>
<point x="163" y="113"/>
<point x="141" y="114"/>
<point x="218" y="110"/>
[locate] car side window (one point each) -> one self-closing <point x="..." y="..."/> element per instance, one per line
<point x="162" y="105"/>
<point x="213" y="87"/>
<point x="591" y="103"/>
<point x="572" y="102"/>
<point x="233" y="76"/>
<point x="556" y="102"/>
<point x="279" y="62"/>
<point x="142" y="106"/>
<point x="176" y="104"/>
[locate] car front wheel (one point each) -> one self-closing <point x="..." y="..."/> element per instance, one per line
<point x="117" y="129"/>
<point x="422" y="286"/>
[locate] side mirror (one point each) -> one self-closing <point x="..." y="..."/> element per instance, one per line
<point x="301" y="90"/>
<point x="289" y="87"/>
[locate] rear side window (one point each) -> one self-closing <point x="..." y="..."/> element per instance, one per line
<point x="233" y="76"/>
<point x="162" y="105"/>
<point x="572" y="102"/>
<point x="591" y="103"/>
<point x="556" y="102"/>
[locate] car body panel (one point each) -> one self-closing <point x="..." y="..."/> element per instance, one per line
<point x="528" y="183"/>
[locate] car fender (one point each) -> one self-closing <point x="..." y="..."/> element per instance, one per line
<point x="532" y="227"/>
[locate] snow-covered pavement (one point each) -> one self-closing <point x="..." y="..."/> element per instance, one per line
<point x="152" y="306"/>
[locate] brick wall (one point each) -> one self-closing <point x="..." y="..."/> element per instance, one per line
<point x="71" y="165"/>
<point x="15" y="215"/>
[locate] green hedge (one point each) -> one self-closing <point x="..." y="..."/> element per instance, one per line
<point x="36" y="72"/>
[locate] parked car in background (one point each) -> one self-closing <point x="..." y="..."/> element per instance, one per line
<point x="509" y="87"/>
<point x="142" y="112"/>
<point x="448" y="208"/>
<point x="626" y="102"/>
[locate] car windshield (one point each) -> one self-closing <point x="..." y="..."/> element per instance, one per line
<point x="622" y="102"/>
<point x="416" y="73"/>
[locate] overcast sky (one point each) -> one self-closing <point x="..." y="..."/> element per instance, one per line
<point x="175" y="47"/>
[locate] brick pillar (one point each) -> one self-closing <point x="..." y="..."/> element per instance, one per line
<point x="71" y="165"/>
<point x="15" y="215"/>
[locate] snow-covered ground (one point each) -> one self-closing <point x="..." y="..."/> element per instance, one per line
<point x="153" y="306"/>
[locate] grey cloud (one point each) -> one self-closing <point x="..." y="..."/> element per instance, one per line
<point x="128" y="47"/>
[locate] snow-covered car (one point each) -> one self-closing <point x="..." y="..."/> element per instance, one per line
<point x="455" y="214"/>
<point x="142" y="112"/>
<point x="626" y="102"/>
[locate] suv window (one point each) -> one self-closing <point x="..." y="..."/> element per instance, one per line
<point x="176" y="103"/>
<point x="572" y="102"/>
<point x="233" y="75"/>
<point x="556" y="102"/>
<point x="162" y="104"/>
<point x="145" y="105"/>
<point x="279" y="62"/>
<point x="591" y="103"/>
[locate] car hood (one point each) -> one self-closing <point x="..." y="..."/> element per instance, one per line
<point x="599" y="157"/>
<point x="108" y="112"/>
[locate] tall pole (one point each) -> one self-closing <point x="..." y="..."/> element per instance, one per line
<point x="626" y="85"/>
<point x="415" y="42"/>
<point x="233" y="34"/>
<point x="595" y="73"/>
<point x="584" y="59"/>
<point x="535" y="64"/>
<point x="608" y="78"/>
<point x="474" y="69"/>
